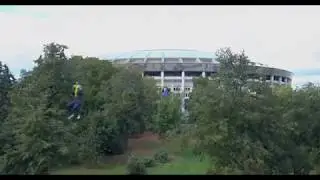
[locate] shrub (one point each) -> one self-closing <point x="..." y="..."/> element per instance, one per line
<point x="149" y="162"/>
<point x="161" y="156"/>
<point x="223" y="171"/>
<point x="136" y="166"/>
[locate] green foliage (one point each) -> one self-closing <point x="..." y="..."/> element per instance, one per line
<point x="40" y="137"/>
<point x="168" y="115"/>
<point x="149" y="162"/>
<point x="6" y="83"/>
<point x="150" y="99"/>
<point x="136" y="166"/>
<point x="24" y="73"/>
<point x="161" y="156"/>
<point x="270" y="131"/>
<point x="122" y="102"/>
<point x="117" y="103"/>
<point x="245" y="127"/>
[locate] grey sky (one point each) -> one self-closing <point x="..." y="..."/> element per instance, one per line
<point x="281" y="36"/>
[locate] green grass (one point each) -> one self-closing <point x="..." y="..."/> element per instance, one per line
<point x="181" y="165"/>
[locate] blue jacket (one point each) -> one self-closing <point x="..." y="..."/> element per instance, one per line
<point x="165" y="92"/>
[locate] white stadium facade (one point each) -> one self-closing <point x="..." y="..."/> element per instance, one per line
<point x="175" y="68"/>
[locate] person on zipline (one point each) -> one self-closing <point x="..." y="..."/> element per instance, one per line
<point x="74" y="106"/>
<point x="165" y="91"/>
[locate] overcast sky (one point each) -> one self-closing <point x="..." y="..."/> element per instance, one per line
<point x="281" y="36"/>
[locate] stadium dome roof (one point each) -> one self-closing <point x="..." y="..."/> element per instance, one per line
<point x="162" y="53"/>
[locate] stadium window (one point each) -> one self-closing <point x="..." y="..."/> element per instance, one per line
<point x="253" y="76"/>
<point x="172" y="73"/>
<point x="192" y="74"/>
<point x="268" y="77"/>
<point x="152" y="73"/>
<point x="276" y="78"/>
<point x="208" y="74"/>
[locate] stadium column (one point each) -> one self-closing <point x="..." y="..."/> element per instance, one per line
<point x="162" y="79"/>
<point x="182" y="81"/>
<point x="203" y="74"/>
<point x="271" y="79"/>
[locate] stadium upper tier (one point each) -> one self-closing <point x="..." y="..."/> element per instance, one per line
<point x="179" y="62"/>
<point x="165" y="54"/>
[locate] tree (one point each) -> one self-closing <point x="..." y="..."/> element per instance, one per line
<point x="168" y="115"/>
<point x="245" y="132"/>
<point x="118" y="102"/>
<point x="123" y="102"/>
<point x="7" y="81"/>
<point x="24" y="73"/>
<point x="40" y="137"/>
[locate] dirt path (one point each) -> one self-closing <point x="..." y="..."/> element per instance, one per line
<point x="143" y="145"/>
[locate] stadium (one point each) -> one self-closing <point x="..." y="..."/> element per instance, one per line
<point x="175" y="68"/>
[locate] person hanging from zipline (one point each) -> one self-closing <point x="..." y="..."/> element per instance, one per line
<point x="74" y="106"/>
<point x="165" y="91"/>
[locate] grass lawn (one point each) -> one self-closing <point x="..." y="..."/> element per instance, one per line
<point x="181" y="163"/>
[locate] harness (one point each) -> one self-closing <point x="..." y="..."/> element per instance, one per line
<point x="76" y="89"/>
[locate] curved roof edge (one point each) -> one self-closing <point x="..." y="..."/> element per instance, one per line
<point x="172" y="53"/>
<point x="162" y="53"/>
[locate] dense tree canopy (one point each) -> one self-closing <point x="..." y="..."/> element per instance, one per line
<point x="271" y="131"/>
<point x="244" y="127"/>
<point x="118" y="102"/>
